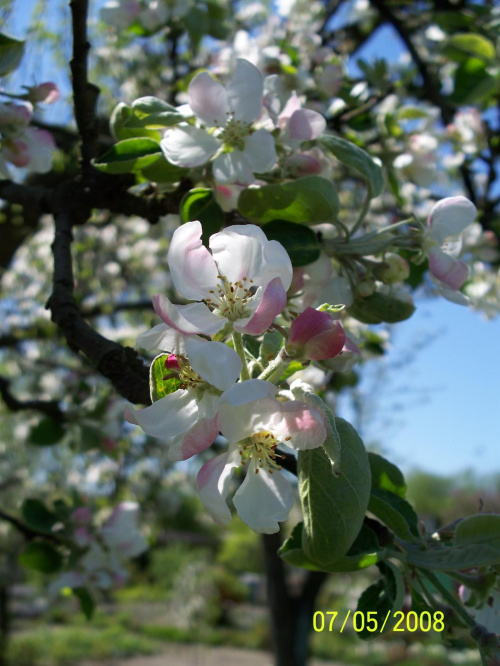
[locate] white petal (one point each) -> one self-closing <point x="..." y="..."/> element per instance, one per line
<point x="244" y="251"/>
<point x="189" y="319"/>
<point x="450" y="216"/>
<point x="260" y="151"/>
<point x="238" y="422"/>
<point x="198" y="438"/>
<point x="171" y="416"/>
<point x="215" y="362"/>
<point x="233" y="168"/>
<point x="188" y="146"/>
<point x="264" y="500"/>
<point x="162" y="337"/>
<point x="303" y="426"/>
<point x="252" y="389"/>
<point x="213" y="482"/>
<point x="305" y="125"/>
<point x="191" y="265"/>
<point x="208" y="99"/>
<point x="244" y="91"/>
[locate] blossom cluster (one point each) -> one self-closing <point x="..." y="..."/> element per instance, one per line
<point x="21" y="144"/>
<point x="238" y="286"/>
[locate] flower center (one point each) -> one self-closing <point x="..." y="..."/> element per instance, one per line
<point x="231" y="299"/>
<point x="262" y="448"/>
<point x="234" y="133"/>
<point x="187" y="376"/>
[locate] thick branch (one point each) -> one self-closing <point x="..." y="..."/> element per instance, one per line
<point x="85" y="94"/>
<point x="120" y="365"/>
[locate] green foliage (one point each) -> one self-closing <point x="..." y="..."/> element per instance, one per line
<point x="37" y="516"/>
<point x="299" y="241"/>
<point x="461" y="46"/>
<point x="385" y="597"/>
<point x="11" y="53"/>
<point x="308" y="200"/>
<point x="240" y="549"/>
<point x="386" y="476"/>
<point x="396" y="513"/>
<point x="41" y="556"/>
<point x="168" y="564"/>
<point x="121" y="131"/>
<point x="153" y="114"/>
<point x="159" y="386"/>
<point x="47" y="433"/>
<point x="87" y="603"/>
<point x="379" y="308"/>
<point x="129" y="156"/>
<point x="356" y="158"/>
<point x="200" y="204"/>
<point x="333" y="506"/>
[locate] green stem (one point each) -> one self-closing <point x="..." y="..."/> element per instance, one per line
<point x="450" y="599"/>
<point x="364" y="211"/>
<point x="275" y="369"/>
<point x="240" y="350"/>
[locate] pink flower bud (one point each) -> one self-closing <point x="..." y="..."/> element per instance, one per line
<point x="315" y="335"/>
<point x="172" y="363"/>
<point x="48" y="93"/>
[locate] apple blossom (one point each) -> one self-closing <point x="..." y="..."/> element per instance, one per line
<point x="300" y="124"/>
<point x="254" y="422"/>
<point x="226" y="115"/>
<point x="318" y="283"/>
<point x="442" y="243"/>
<point x="243" y="280"/>
<point x="46" y="93"/>
<point x="315" y="335"/>
<point x="187" y="418"/>
<point x="119" y="14"/>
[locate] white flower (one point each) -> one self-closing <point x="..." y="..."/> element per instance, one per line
<point x="187" y="418"/>
<point x="242" y="281"/>
<point x="228" y="113"/>
<point x="254" y="422"/>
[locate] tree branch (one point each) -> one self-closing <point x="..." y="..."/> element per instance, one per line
<point x="120" y="365"/>
<point x="85" y="94"/>
<point x="49" y="407"/>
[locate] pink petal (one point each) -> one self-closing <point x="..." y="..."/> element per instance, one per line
<point x="305" y="124"/>
<point x="304" y="426"/>
<point x="208" y="99"/>
<point x="450" y="272"/>
<point x="191" y="265"/>
<point x="273" y="302"/>
<point x="200" y="437"/>
<point x="292" y="105"/>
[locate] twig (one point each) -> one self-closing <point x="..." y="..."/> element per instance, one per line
<point x="49" y="407"/>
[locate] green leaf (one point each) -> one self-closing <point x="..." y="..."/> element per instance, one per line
<point x="363" y="553"/>
<point x="358" y="159"/>
<point x="41" y="556"/>
<point x="118" y="125"/>
<point x="396" y="513"/>
<point x="270" y="346"/>
<point x="333" y="507"/>
<point x="455" y="558"/>
<point x="306" y="200"/>
<point x="47" y="433"/>
<point x="473" y="84"/>
<point x="158" y="385"/>
<point x="384" y="598"/>
<point x="11" y="53"/>
<point x="129" y="156"/>
<point x="386" y="476"/>
<point x="147" y="106"/>
<point x="200" y="204"/>
<point x="37" y="516"/>
<point x="462" y="45"/>
<point x="294" y="367"/>
<point x="299" y="241"/>
<point x="87" y="604"/>
<point x="162" y="171"/>
<point x="378" y="308"/>
<point x="479" y="529"/>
